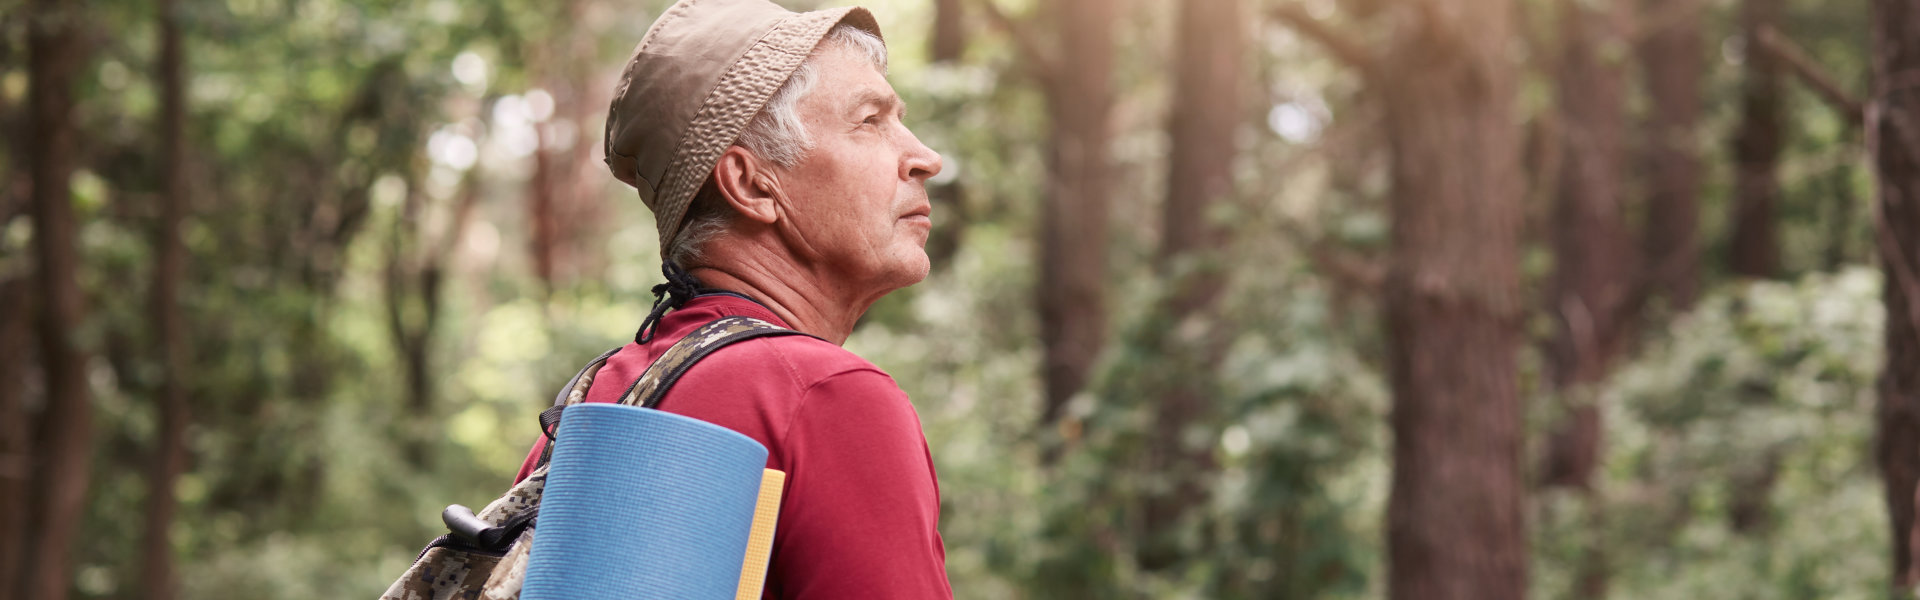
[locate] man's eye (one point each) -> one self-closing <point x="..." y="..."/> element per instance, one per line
<point x="872" y="120"/>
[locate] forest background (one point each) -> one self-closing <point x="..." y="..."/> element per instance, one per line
<point x="1437" y="299"/>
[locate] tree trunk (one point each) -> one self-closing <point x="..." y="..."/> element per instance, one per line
<point x="946" y="43"/>
<point x="1755" y="247"/>
<point x="413" y="309"/>
<point x="544" y="190"/>
<point x="1207" y="75"/>
<point x="1892" y="135"/>
<point x="65" y="434"/>
<point x="1835" y="251"/>
<point x="16" y="318"/>
<point x="415" y="274"/>
<point x="583" y="102"/>
<point x="16" y="443"/>
<point x="1672" y="59"/>
<point x="949" y="37"/>
<point x="1592" y="251"/>
<point x="1073" y="226"/>
<point x="564" y="208"/>
<point x="169" y="264"/>
<point x="1593" y="254"/>
<point x="1454" y="515"/>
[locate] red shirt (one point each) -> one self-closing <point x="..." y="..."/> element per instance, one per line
<point x="861" y="511"/>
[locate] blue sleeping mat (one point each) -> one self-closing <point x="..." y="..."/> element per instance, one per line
<point x="641" y="503"/>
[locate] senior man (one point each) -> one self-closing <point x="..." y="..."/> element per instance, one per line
<point x="770" y="148"/>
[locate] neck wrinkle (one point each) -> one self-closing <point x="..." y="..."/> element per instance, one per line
<point x="803" y="302"/>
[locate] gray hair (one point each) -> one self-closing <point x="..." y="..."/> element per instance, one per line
<point x="776" y="134"/>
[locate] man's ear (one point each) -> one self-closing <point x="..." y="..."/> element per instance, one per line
<point x="748" y="185"/>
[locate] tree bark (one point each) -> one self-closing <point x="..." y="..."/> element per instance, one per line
<point x="949" y="37"/>
<point x="564" y="209"/>
<point x="16" y="443"/>
<point x="157" y="575"/>
<point x="1207" y="99"/>
<point x="543" y="199"/>
<point x="1672" y="59"/>
<point x="1454" y="514"/>
<point x="1892" y="136"/>
<point x="945" y="44"/>
<point x="64" y="438"/>
<point x="16" y="318"/>
<point x="1755" y="246"/>
<point x="1836" y="251"/>
<point x="1591" y="248"/>
<point x="1593" y="254"/>
<point x="1073" y="225"/>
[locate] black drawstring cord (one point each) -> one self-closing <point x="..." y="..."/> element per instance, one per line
<point x="679" y="288"/>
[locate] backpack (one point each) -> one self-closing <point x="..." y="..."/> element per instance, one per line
<point x="484" y="555"/>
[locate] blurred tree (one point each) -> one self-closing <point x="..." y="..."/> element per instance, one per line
<point x="157" y="577"/>
<point x="1671" y="59"/>
<point x="1838" y="246"/>
<point x="57" y="52"/>
<point x="16" y="324"/>
<point x="1591" y="291"/>
<point x="949" y="36"/>
<point x="1074" y="224"/>
<point x="1754" y="241"/>
<point x="417" y="258"/>
<point x="563" y="199"/>
<point x="1208" y="91"/>
<point x="1454" y="527"/>
<point x="1454" y="523"/>
<point x="16" y="450"/>
<point x="1454" y="514"/>
<point x="1593" y="254"/>
<point x="946" y="42"/>
<point x="1896" y="154"/>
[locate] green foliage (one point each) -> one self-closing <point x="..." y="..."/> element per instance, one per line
<point x="1739" y="453"/>
<point x="312" y="127"/>
<point x="1301" y="472"/>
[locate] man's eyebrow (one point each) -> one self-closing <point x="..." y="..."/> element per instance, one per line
<point x="884" y="101"/>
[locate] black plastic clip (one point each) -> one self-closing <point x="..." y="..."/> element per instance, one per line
<point x="471" y="529"/>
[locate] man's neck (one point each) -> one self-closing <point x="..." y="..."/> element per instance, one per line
<point x="793" y="294"/>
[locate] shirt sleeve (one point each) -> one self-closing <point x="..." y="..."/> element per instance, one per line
<point x="861" y="514"/>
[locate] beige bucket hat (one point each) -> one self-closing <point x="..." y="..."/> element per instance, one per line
<point x="700" y="74"/>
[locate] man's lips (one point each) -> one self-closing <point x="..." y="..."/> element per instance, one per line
<point x="924" y="212"/>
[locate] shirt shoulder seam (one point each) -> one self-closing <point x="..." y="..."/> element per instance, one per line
<point x="806" y="389"/>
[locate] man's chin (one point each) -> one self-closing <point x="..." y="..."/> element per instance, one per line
<point x="919" y="269"/>
<point x="914" y="269"/>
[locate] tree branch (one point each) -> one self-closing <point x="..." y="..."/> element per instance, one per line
<point x="1340" y="45"/>
<point x="1039" y="62"/>
<point x="1811" y="73"/>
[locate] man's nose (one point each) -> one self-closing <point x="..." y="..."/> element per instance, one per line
<point x="920" y="162"/>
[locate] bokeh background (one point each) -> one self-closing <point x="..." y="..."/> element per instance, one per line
<point x="281" y="279"/>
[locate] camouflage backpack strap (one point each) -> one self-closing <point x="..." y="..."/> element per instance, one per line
<point x="653" y="384"/>
<point x="661" y="375"/>
<point x="574" y="392"/>
<point x="484" y="554"/>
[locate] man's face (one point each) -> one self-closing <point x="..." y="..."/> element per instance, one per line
<point x="859" y="198"/>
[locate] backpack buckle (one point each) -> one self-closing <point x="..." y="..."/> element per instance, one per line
<point x="473" y="530"/>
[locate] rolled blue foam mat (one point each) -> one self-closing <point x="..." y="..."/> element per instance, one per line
<point x="641" y="503"/>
